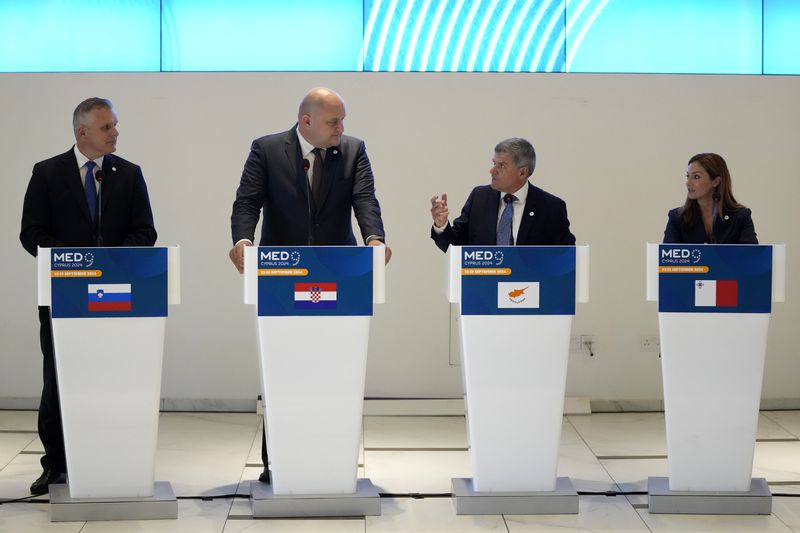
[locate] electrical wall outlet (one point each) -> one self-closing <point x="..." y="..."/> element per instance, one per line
<point x="650" y="343"/>
<point x="581" y="344"/>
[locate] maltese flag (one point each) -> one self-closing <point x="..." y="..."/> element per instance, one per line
<point x="716" y="293"/>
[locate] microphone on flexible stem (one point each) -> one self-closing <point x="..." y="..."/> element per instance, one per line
<point x="99" y="177"/>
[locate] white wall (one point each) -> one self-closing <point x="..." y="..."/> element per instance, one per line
<point x="613" y="146"/>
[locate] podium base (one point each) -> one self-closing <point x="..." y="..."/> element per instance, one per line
<point x="161" y="506"/>
<point x="563" y="500"/>
<point x="758" y="500"/>
<point x="364" y="502"/>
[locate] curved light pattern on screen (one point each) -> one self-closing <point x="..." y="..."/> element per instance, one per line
<point x="272" y="35"/>
<point x="581" y="16"/>
<point x="465" y="36"/>
<point x="79" y="35"/>
<point x="670" y="36"/>
<point x="781" y="37"/>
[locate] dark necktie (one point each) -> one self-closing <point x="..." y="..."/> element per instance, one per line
<point x="316" y="175"/>
<point x="91" y="191"/>
<point x="505" y="237"/>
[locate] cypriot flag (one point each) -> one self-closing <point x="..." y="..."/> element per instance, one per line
<point x="519" y="294"/>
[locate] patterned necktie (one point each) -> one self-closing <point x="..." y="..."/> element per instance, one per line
<point x="90" y="189"/>
<point x="316" y="175"/>
<point x="504" y="235"/>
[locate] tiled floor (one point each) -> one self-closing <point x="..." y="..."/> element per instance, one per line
<point x="207" y="454"/>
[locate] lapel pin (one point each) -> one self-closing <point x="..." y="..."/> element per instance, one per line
<point x="113" y="169"/>
<point x="530" y="214"/>
<point x="335" y="151"/>
<point x="726" y="217"/>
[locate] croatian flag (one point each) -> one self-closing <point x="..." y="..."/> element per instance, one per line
<point x="110" y="297"/>
<point x="716" y="293"/>
<point x="315" y="295"/>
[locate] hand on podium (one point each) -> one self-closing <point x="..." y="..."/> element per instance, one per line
<point x="376" y="242"/>
<point x="237" y="254"/>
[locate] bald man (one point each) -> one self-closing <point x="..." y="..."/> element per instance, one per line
<point x="279" y="175"/>
<point x="308" y="181"/>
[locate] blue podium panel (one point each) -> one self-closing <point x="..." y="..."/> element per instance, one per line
<point x="713" y="278"/>
<point x="108" y="282"/>
<point x="315" y="281"/>
<point x="518" y="280"/>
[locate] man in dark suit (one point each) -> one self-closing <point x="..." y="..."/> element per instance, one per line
<point x="308" y="181"/>
<point x="61" y="209"/>
<point x="508" y="211"/>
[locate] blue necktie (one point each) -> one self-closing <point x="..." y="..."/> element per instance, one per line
<point x="504" y="234"/>
<point x="91" y="191"/>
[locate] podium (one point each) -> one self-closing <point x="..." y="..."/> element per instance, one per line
<point x="714" y="304"/>
<point x="314" y="306"/>
<point x="109" y="309"/>
<point x="516" y="313"/>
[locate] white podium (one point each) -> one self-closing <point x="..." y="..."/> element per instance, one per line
<point x="712" y="366"/>
<point x="515" y="369"/>
<point x="109" y="380"/>
<point x="312" y="373"/>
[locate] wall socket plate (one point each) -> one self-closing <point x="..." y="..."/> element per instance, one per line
<point x="650" y="343"/>
<point x="581" y="343"/>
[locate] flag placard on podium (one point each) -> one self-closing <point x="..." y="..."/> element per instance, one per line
<point x="714" y="278"/>
<point x="315" y="281"/>
<point x="519" y="280"/>
<point x="108" y="282"/>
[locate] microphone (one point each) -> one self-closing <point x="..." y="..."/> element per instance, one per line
<point x="99" y="177"/>
<point x="306" y="165"/>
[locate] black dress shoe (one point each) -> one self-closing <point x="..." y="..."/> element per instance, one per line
<point x="40" y="486"/>
<point x="265" y="477"/>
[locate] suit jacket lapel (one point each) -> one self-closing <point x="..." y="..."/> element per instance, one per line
<point x="294" y="158"/>
<point x="331" y="170"/>
<point x="487" y="228"/>
<point x="526" y="224"/>
<point x="109" y="183"/>
<point x="72" y="174"/>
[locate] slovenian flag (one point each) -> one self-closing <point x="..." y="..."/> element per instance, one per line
<point x="315" y="295"/>
<point x="716" y="293"/>
<point x="110" y="297"/>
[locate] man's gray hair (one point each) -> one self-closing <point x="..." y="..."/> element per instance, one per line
<point x="86" y="107"/>
<point x="521" y="152"/>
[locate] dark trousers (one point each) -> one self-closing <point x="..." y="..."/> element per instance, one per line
<point x="50" y="430"/>
<point x="264" y="458"/>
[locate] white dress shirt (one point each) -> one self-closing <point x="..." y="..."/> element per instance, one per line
<point x="82" y="160"/>
<point x="520" y="196"/>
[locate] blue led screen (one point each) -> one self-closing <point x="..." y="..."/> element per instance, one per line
<point x="781" y="37"/>
<point x="209" y="35"/>
<point x="613" y="36"/>
<point x="80" y="35"/>
<point x="680" y="36"/>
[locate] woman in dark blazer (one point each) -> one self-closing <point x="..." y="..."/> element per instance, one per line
<point x="711" y="214"/>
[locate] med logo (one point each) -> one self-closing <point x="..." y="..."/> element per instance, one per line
<point x="278" y="258"/>
<point x="72" y="259"/>
<point x="680" y="256"/>
<point x="482" y="258"/>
